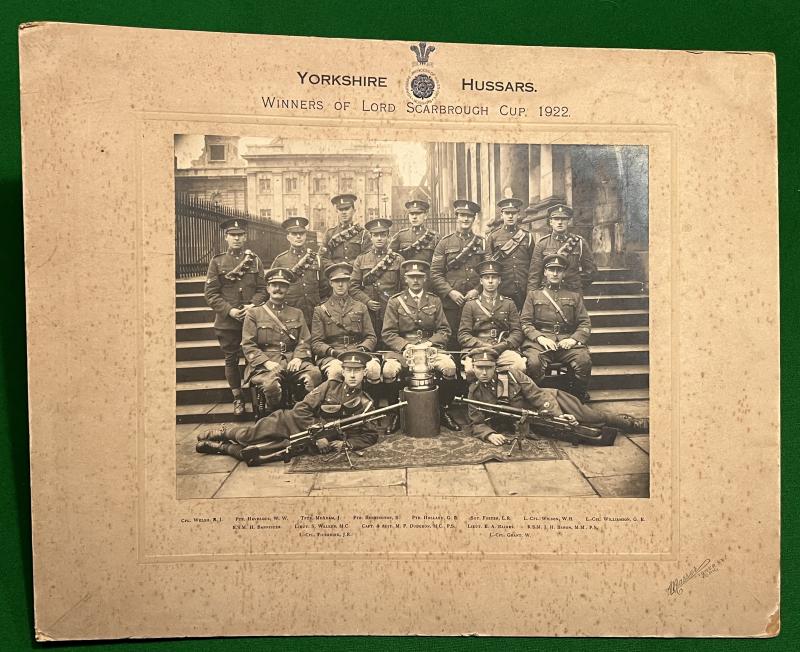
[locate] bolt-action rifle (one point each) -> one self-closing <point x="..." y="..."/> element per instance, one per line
<point x="548" y="425"/>
<point x="278" y="450"/>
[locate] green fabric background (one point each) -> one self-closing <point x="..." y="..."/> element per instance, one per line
<point x="680" y="24"/>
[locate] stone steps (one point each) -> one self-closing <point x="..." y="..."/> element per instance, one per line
<point x="617" y="306"/>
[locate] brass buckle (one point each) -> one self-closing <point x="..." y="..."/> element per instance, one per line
<point x="283" y="347"/>
<point x="419" y="334"/>
<point x="556" y="329"/>
<point x="346" y="340"/>
<point x="493" y="333"/>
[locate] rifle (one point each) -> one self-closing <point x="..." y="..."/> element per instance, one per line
<point x="550" y="426"/>
<point x="275" y="450"/>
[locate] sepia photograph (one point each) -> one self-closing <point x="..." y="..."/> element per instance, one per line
<point x="390" y="318"/>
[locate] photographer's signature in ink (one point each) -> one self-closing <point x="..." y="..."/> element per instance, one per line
<point x="703" y="570"/>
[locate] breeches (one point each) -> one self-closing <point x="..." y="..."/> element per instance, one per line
<point x="507" y="360"/>
<point x="271" y="380"/>
<point x="577" y="359"/>
<point x="332" y="368"/>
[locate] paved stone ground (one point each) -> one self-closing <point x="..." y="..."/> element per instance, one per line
<point x="619" y="471"/>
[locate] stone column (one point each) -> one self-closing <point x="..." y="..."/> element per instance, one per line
<point x="534" y="174"/>
<point x="545" y="172"/>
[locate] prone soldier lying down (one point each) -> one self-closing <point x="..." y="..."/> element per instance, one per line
<point x="333" y="400"/>
<point x="515" y="389"/>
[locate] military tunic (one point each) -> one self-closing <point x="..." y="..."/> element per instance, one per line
<point x="341" y="325"/>
<point x="540" y="318"/>
<point x="224" y="291"/>
<point x="383" y="283"/>
<point x="310" y="287"/>
<point x="512" y="249"/>
<point x="462" y="276"/>
<point x="330" y="401"/>
<point x="580" y="271"/>
<point x="351" y="248"/>
<point x="223" y="294"/>
<point x="493" y="324"/>
<point x="415" y="243"/>
<point x="521" y="392"/>
<point x="268" y="349"/>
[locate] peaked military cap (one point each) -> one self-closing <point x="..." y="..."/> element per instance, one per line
<point x="280" y="275"/>
<point x="483" y="357"/>
<point x="415" y="267"/>
<point x="417" y="206"/>
<point x="339" y="271"/>
<point x="510" y="204"/>
<point x="295" y="224"/>
<point x="555" y="260"/>
<point x="344" y="201"/>
<point x="234" y="225"/>
<point x="489" y="267"/>
<point x="561" y="211"/>
<point x="378" y="225"/>
<point x="354" y="359"/>
<point x="466" y="206"/>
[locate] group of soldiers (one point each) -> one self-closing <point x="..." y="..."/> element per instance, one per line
<point x="502" y="300"/>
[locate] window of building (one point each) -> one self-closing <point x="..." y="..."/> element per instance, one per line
<point x="290" y="184"/>
<point x="372" y="213"/>
<point x="320" y="184"/>
<point x="265" y="212"/>
<point x="265" y="185"/>
<point x="319" y="215"/>
<point x="291" y="212"/>
<point x="372" y="184"/>
<point x="346" y="184"/>
<point x="216" y="152"/>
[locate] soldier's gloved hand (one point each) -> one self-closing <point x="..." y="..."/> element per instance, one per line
<point x="567" y="343"/>
<point x="323" y="445"/>
<point x="270" y="366"/>
<point x="456" y="297"/>
<point x="294" y="364"/>
<point x="337" y="445"/>
<point x="547" y="343"/>
<point x="496" y="438"/>
<point x="237" y="313"/>
<point x="472" y="294"/>
<point x="373" y="306"/>
<point x="570" y="417"/>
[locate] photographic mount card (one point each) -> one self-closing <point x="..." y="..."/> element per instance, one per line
<point x="138" y="144"/>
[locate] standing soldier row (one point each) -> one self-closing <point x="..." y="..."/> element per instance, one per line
<point x="477" y="312"/>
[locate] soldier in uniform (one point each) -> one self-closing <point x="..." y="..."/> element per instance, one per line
<point x="277" y="344"/>
<point x="376" y="273"/>
<point x="580" y="268"/>
<point x="336" y="398"/>
<point x="415" y="316"/>
<point x="345" y="241"/>
<point x="557" y="328"/>
<point x="417" y="242"/>
<point x="342" y="324"/>
<point x="515" y="389"/>
<point x="310" y="287"/>
<point x="454" y="276"/>
<point x="234" y="283"/>
<point x="512" y="246"/>
<point x="491" y="320"/>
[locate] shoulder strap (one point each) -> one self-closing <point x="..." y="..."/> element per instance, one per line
<point x="278" y="322"/>
<point x="405" y="306"/>
<point x="555" y="305"/>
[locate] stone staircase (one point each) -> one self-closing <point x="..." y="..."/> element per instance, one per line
<point x="618" y="307"/>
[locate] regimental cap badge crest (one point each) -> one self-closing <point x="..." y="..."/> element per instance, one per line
<point x="423" y="51"/>
<point x="234" y="225"/>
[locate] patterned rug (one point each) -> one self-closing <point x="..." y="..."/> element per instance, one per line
<point x="448" y="449"/>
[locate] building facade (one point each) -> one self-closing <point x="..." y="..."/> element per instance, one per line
<point x="279" y="178"/>
<point x="606" y="186"/>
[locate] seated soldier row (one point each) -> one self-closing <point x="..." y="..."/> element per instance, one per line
<point x="341" y="397"/>
<point x="280" y="348"/>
